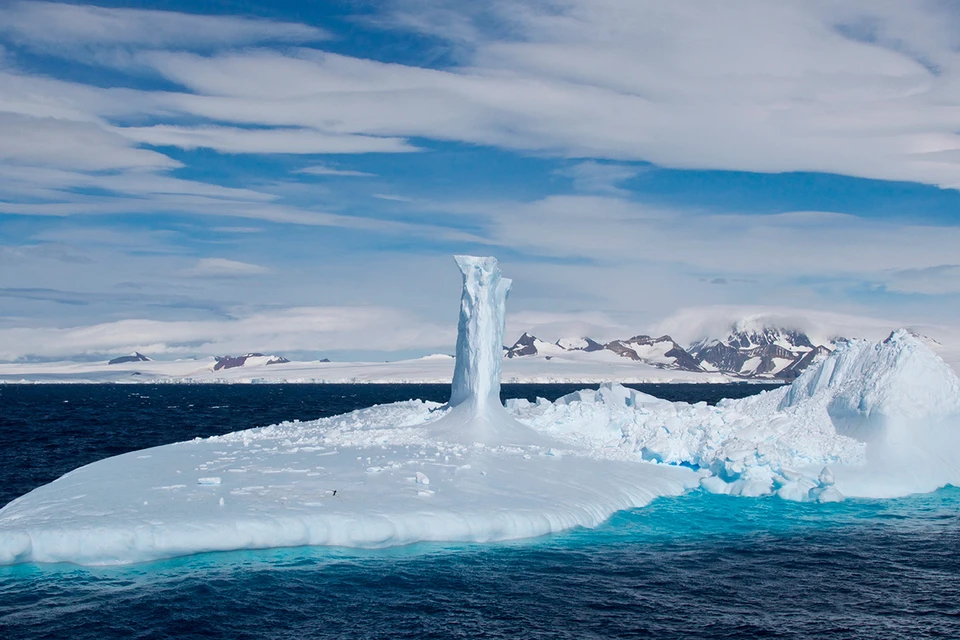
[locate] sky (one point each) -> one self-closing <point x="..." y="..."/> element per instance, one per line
<point x="189" y="178"/>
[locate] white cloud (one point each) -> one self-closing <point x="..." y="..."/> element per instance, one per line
<point x="224" y="268"/>
<point x="934" y="280"/>
<point x="72" y="145"/>
<point x="553" y="325"/>
<point x="60" y="26"/>
<point x="324" y="170"/>
<point x="238" y="229"/>
<point x="863" y="89"/>
<point x="391" y="197"/>
<point x="291" y="329"/>
<point x="280" y="140"/>
<point x="749" y="86"/>
<point x="597" y="177"/>
<point x="689" y="324"/>
<point x="615" y="230"/>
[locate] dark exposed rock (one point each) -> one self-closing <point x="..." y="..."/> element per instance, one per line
<point x="628" y="349"/>
<point x="232" y="362"/>
<point x="764" y="353"/>
<point x="524" y="346"/>
<point x="135" y="357"/>
<point x="759" y="353"/>
<point x="589" y="345"/>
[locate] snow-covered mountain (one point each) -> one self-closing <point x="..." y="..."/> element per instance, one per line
<point x="661" y="352"/>
<point x="760" y="352"/>
<point x="136" y="356"/>
<point x="528" y="345"/>
<point x="757" y="352"/>
<point x="246" y="360"/>
<point x="579" y="344"/>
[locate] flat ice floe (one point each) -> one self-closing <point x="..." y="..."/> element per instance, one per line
<point x="872" y="420"/>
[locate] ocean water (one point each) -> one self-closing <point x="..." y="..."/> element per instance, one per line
<point x="699" y="566"/>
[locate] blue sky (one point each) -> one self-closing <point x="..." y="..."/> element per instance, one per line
<point x="189" y="178"/>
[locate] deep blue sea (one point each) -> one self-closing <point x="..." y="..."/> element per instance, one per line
<point x="699" y="566"/>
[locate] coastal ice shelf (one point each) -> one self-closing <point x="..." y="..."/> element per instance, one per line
<point x="872" y="420"/>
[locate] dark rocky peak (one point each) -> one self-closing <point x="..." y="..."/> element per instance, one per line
<point x="771" y="352"/>
<point x="232" y="362"/>
<point x="524" y="346"/>
<point x="579" y="344"/>
<point x="813" y="356"/>
<point x="769" y="336"/>
<point x="662" y="352"/>
<point x="136" y="356"/>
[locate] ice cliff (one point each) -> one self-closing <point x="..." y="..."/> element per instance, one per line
<point x="872" y="420"/>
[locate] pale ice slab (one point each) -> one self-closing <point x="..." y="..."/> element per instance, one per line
<point x="395" y="483"/>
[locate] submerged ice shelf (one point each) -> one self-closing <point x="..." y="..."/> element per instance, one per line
<point x="872" y="420"/>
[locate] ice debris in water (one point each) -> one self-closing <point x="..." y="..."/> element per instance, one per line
<point x="870" y="420"/>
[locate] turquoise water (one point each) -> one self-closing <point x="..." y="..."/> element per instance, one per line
<point x="701" y="566"/>
<point x="698" y="566"/>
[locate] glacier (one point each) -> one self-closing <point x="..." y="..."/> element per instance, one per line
<point x="871" y="420"/>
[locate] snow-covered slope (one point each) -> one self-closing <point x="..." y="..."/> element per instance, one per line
<point x="748" y="351"/>
<point x="753" y="350"/>
<point x="875" y="420"/>
<point x="528" y="345"/>
<point x="573" y="366"/>
<point x="246" y="360"/>
<point x="579" y="344"/>
<point x="660" y="352"/>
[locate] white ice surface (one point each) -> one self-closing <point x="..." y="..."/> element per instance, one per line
<point x="277" y="487"/>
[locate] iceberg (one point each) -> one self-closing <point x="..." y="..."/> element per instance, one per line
<point x="871" y="420"/>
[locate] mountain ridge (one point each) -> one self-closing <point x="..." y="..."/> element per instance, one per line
<point x="766" y="352"/>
